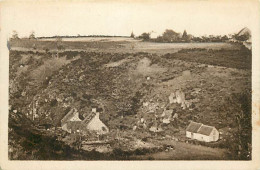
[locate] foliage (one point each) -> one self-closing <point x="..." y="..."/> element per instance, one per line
<point x="170" y="36"/>
<point x="15" y="35"/>
<point x="184" y="35"/>
<point x="132" y="35"/>
<point x="32" y="35"/>
<point x="145" y="36"/>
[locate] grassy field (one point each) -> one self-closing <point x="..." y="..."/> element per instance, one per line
<point x="54" y="81"/>
<point x="113" y="45"/>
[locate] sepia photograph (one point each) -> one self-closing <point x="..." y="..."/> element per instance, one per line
<point x="132" y="81"/>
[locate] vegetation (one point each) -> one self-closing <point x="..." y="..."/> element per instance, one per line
<point x="170" y="35"/>
<point x="32" y="35"/>
<point x="53" y="84"/>
<point x="145" y="36"/>
<point x="132" y="35"/>
<point x="15" y="35"/>
<point x="226" y="58"/>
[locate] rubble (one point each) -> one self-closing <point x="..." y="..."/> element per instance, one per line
<point x="180" y="96"/>
<point x="172" y="98"/>
<point x="155" y="129"/>
<point x="175" y="116"/>
<point x="166" y="120"/>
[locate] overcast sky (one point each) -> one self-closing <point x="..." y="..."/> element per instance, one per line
<point x="121" y="18"/>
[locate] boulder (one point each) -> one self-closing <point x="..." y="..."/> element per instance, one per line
<point x="167" y="113"/>
<point x="166" y="120"/>
<point x="180" y="96"/>
<point x="172" y="98"/>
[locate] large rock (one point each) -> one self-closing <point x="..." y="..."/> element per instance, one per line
<point x="180" y="96"/>
<point x="172" y="98"/>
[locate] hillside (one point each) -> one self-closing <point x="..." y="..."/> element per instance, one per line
<point x="133" y="88"/>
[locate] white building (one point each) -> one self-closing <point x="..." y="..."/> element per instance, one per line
<point x="71" y="116"/>
<point x="202" y="132"/>
<point x="72" y="123"/>
<point x="95" y="124"/>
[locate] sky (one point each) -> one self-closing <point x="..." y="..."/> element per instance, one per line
<point x="120" y="18"/>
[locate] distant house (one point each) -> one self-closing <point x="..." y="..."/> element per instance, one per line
<point x="202" y="132"/>
<point x="71" y="116"/>
<point x="72" y="123"/>
<point x="73" y="126"/>
<point x="95" y="124"/>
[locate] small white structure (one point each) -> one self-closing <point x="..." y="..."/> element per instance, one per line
<point x="202" y="132"/>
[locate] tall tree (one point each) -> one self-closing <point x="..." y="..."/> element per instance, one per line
<point x="15" y="35"/>
<point x="184" y="35"/>
<point x="145" y="36"/>
<point x="32" y="35"/>
<point x="132" y="35"/>
<point x="170" y="36"/>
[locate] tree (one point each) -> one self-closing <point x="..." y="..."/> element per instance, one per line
<point x="15" y="35"/>
<point x="189" y="37"/>
<point x="132" y="35"/>
<point x="170" y="36"/>
<point x="32" y="35"/>
<point x="184" y="35"/>
<point x="224" y="38"/>
<point x="145" y="36"/>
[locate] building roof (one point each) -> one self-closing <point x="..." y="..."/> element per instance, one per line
<point x="68" y="116"/>
<point x="89" y="117"/>
<point x="205" y="130"/>
<point x="74" y="125"/>
<point x="195" y="127"/>
<point x="244" y="31"/>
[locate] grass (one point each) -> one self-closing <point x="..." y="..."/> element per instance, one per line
<point x="240" y="59"/>
<point x="100" y="82"/>
<point x="48" y="68"/>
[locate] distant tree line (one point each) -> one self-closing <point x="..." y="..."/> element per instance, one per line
<point x="170" y="35"/>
